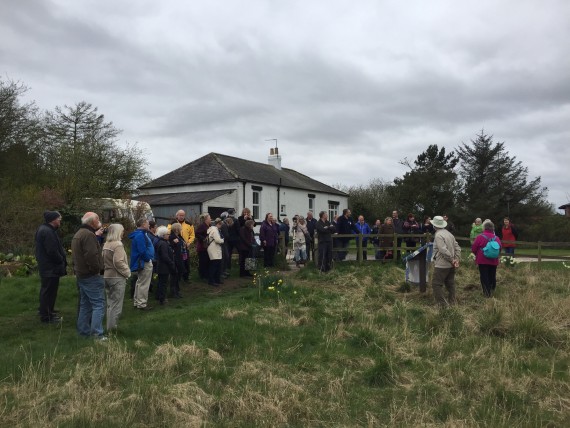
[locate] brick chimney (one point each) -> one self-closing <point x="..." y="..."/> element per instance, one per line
<point x="274" y="158"/>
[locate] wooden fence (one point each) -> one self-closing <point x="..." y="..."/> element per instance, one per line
<point x="465" y="243"/>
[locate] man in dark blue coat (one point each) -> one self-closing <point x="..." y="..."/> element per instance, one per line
<point x="52" y="264"/>
<point x="345" y="226"/>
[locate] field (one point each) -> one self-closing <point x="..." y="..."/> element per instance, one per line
<point x="354" y="347"/>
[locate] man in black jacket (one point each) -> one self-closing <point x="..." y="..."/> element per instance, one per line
<point x="51" y="263"/>
<point x="311" y="226"/>
<point x="324" y="230"/>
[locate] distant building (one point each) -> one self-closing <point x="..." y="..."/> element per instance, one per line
<point x="215" y="182"/>
<point x="566" y="209"/>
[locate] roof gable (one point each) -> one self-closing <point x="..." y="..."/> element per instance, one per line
<point x="215" y="168"/>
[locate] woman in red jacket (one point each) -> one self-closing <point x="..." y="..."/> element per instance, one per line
<point x="508" y="233"/>
<point x="487" y="266"/>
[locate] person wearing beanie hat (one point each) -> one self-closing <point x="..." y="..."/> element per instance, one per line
<point x="52" y="265"/>
<point x="50" y="216"/>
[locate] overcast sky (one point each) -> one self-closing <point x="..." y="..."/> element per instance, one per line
<point x="349" y="88"/>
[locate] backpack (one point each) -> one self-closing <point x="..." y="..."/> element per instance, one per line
<point x="492" y="249"/>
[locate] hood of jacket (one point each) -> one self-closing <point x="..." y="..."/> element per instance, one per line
<point x="136" y="232"/>
<point x="112" y="245"/>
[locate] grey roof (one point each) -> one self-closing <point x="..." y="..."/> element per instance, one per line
<point x="563" y="207"/>
<point x="184" y="198"/>
<point x="217" y="168"/>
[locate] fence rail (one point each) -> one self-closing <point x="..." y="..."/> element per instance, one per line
<point x="397" y="239"/>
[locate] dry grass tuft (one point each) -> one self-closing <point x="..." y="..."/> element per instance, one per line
<point x="191" y="350"/>
<point x="260" y="397"/>
<point x="188" y="405"/>
<point x="214" y="356"/>
<point x="85" y="396"/>
<point x="230" y="313"/>
<point x="169" y="358"/>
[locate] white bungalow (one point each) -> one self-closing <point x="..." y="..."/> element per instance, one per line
<point x="214" y="183"/>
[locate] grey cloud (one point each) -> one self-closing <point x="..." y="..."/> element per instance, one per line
<point x="374" y="84"/>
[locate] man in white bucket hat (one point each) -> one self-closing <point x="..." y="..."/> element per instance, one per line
<point x="446" y="255"/>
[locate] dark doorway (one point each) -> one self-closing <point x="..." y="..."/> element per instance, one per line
<point x="216" y="211"/>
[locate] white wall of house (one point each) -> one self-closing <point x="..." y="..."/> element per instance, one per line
<point x="290" y="201"/>
<point x="293" y="201"/>
<point x="229" y="200"/>
<point x="297" y="202"/>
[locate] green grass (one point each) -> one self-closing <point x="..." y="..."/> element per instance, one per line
<point x="349" y="348"/>
<point x="548" y="252"/>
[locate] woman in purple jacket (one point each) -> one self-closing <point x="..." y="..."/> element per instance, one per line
<point x="269" y="237"/>
<point x="487" y="266"/>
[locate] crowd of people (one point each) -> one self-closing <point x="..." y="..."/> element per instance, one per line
<point x="446" y="250"/>
<point x="160" y="256"/>
<point x="159" y="260"/>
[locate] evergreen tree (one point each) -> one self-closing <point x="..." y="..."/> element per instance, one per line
<point x="496" y="185"/>
<point x="431" y="187"/>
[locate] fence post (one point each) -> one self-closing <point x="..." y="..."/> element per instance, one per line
<point x="539" y="252"/>
<point x="359" y="255"/>
<point x="395" y="248"/>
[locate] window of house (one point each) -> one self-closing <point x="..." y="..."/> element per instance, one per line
<point x="256" y="205"/>
<point x="312" y="203"/>
<point x="333" y="209"/>
<point x="283" y="209"/>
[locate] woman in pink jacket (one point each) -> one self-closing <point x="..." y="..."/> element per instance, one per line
<point x="487" y="266"/>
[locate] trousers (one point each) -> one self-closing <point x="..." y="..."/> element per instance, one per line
<point x="142" y="285"/>
<point x="48" y="294"/>
<point x="488" y="277"/>
<point x="444" y="277"/>
<point x="91" y="305"/>
<point x="115" y="290"/>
